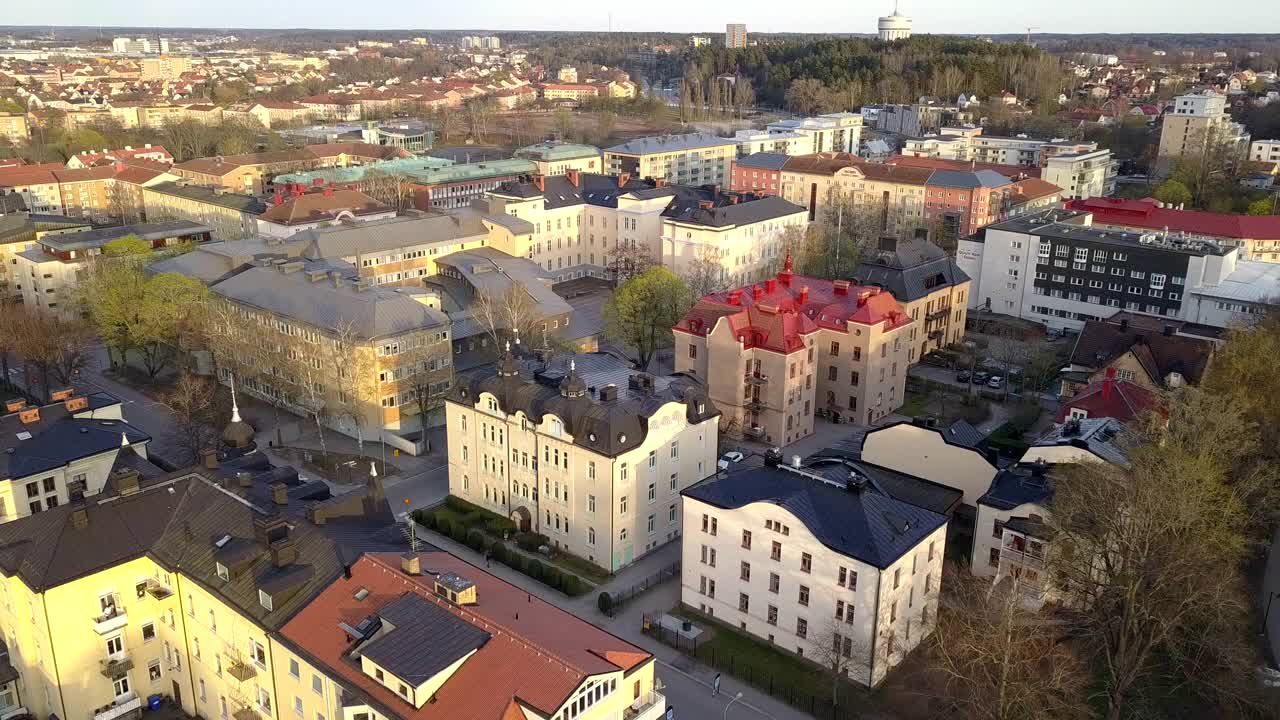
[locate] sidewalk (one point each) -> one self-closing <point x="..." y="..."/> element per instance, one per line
<point x="627" y="623"/>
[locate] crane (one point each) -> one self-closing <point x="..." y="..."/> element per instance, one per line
<point x="1029" y="34"/>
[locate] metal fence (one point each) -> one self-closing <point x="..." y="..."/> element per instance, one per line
<point x="621" y="599"/>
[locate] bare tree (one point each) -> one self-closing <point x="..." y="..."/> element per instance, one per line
<point x="424" y="369"/>
<point x="351" y="363"/>
<point x="705" y="273"/>
<point x="56" y="347"/>
<point x="197" y="411"/>
<point x="996" y="660"/>
<point x="842" y="653"/>
<point x="1009" y="353"/>
<point x="390" y="189"/>
<point x="628" y="260"/>
<point x="510" y="311"/>
<point x="124" y="202"/>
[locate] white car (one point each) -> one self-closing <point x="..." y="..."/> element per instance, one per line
<point x="995" y="381"/>
<point x="729" y="458"/>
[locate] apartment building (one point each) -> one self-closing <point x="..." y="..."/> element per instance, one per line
<point x="759" y="173"/>
<point x="1256" y="236"/>
<point x="735" y="35"/>
<point x="851" y="580"/>
<point x="352" y="353"/>
<point x="13" y="127"/>
<point x="64" y="451"/>
<point x="751" y="142"/>
<point x="248" y="173"/>
<point x="302" y="209"/>
<point x="1267" y="151"/>
<point x="693" y="159"/>
<point x="968" y="143"/>
<point x="228" y="215"/>
<point x="107" y="193"/>
<point x="165" y="67"/>
<point x="773" y="353"/>
<point x="557" y="158"/>
<point x="147" y="153"/>
<point x="52" y="271"/>
<point x="1053" y="267"/>
<point x="36" y="184"/>
<point x="915" y="120"/>
<point x="1132" y="348"/>
<point x="592" y="457"/>
<point x="273" y="113"/>
<point x="931" y="287"/>
<point x="573" y="92"/>
<point x="831" y="132"/>
<point x="1196" y="122"/>
<point x="18" y="232"/>
<point x="1082" y="175"/>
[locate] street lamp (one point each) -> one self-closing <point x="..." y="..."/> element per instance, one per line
<point x="1267" y="615"/>
<point x="735" y="699"/>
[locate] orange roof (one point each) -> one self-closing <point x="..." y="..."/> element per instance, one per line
<point x="1033" y="189"/>
<point x="224" y="164"/>
<point x="29" y="175"/>
<point x="324" y="204"/>
<point x="537" y="654"/>
<point x="359" y="149"/>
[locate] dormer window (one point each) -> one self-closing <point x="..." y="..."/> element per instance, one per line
<point x="264" y="599"/>
<point x="222" y="571"/>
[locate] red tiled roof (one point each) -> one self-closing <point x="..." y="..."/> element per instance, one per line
<point x="92" y="158"/>
<point x="325" y="204"/>
<point x="537" y="654"/>
<point x="358" y="149"/>
<point x="776" y="314"/>
<point x="29" y="175"/>
<point x="1033" y="189"/>
<point x="1145" y="214"/>
<point x="1119" y="399"/>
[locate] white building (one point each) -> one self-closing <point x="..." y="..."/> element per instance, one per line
<point x="894" y="27"/>
<point x="1228" y="291"/>
<point x="595" y="466"/>
<point x="735" y="35"/>
<point x="832" y="132"/>
<point x="751" y="142"/>
<point x="1265" y="151"/>
<point x="968" y="143"/>
<point x="1082" y="175"/>
<point x="138" y="46"/>
<point x="825" y="567"/>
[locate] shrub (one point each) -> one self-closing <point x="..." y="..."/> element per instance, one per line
<point x="571" y="584"/>
<point x="459" y="532"/>
<point x="530" y="542"/>
<point x="426" y="520"/>
<point x="605" y="603"/>
<point x="536" y="570"/>
<point x="475" y="540"/>
<point x="500" y="526"/>
<point x="498" y="551"/>
<point x="443" y="526"/>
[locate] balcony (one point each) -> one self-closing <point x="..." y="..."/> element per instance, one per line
<point x="115" y="665"/>
<point x="754" y="405"/>
<point x="756" y="378"/>
<point x="158" y="590"/>
<point x="649" y="706"/>
<point x="110" y="621"/>
<point x="937" y="315"/>
<point x="241" y="670"/>
<point x="246" y="713"/>
<point x="119" y="708"/>
<point x="755" y="431"/>
<point x="1032" y="560"/>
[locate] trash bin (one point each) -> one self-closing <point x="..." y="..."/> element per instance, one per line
<point x="153" y="702"/>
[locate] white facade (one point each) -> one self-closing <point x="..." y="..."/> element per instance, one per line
<point x="894" y="27"/>
<point x="797" y="601"/>
<point x="832" y="132"/>
<point x="924" y="453"/>
<point x="746" y="252"/>
<point x="266" y="228"/>
<point x="1228" y="291"/>
<point x="785" y="143"/>
<point x="735" y="35"/>
<point x="1265" y="151"/>
<point x="1082" y="175"/>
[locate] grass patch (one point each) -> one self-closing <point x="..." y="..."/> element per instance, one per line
<point x="580" y="566"/>
<point x="783" y="675"/>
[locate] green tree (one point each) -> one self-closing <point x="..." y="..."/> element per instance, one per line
<point x="132" y="311"/>
<point x="129" y="245"/>
<point x="563" y="122"/>
<point x="642" y="311"/>
<point x="1173" y="192"/>
<point x="1262" y="207"/>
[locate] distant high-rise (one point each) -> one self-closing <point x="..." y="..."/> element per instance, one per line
<point x="895" y="27"/>
<point x="140" y="45"/>
<point x="735" y="35"/>
<point x="1199" y="123"/>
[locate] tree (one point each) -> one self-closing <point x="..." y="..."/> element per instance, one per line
<point x="705" y="273"/>
<point x="56" y="347"/>
<point x="629" y="260"/>
<point x="391" y="189"/>
<point x="563" y="122"/>
<point x="197" y="411"/>
<point x="124" y="202"/>
<point x="606" y="121"/>
<point x="134" y="312"/>
<point x="448" y="121"/>
<point x="744" y="95"/>
<point x="350" y="361"/>
<point x="840" y="653"/>
<point x="997" y="660"/>
<point x="804" y="96"/>
<point x="507" y="312"/>
<point x="1262" y="207"/>
<point x="642" y="311"/>
<point x="479" y="112"/>
<point x="1149" y="558"/>
<point x="1173" y="192"/>
<point x="129" y="245"/>
<point x="425" y="362"/>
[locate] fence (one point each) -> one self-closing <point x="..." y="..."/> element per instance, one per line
<point x="757" y="675"/>
<point x="621" y="599"/>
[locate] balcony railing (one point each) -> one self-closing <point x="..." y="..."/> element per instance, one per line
<point x="1022" y="557"/>
<point x="241" y="670"/>
<point x="754" y="405"/>
<point x="756" y="378"/>
<point x="115" y="665"/>
<point x="111" y="620"/>
<point x="119" y="708"/>
<point x="158" y="590"/>
<point x="246" y="713"/>
<point x="649" y="706"/>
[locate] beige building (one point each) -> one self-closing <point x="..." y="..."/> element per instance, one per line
<point x="774" y="353"/>
<point x="595" y="466"/>
<point x="852" y="582"/>
<point x="248" y="173"/>
<point x="694" y="159"/>
<point x="1197" y="121"/>
<point x="558" y="158"/>
<point x="13" y="127"/>
<point x="1082" y="175"/>
<point x="894" y="196"/>
<point x="931" y="287"/>
<point x="230" y="216"/>
<point x="164" y="67"/>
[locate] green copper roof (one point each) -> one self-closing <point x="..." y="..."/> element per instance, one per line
<point x="556" y="151"/>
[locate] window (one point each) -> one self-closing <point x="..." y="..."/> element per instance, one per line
<point x="203" y="693"/>
<point x="264" y="599"/>
<point x="115" y="645"/>
<point x="744" y="573"/>
<point x="222" y="571"/>
<point x="622" y="505"/>
<point x="775" y="582"/>
<point x="746" y="539"/>
<point x="258" y="653"/>
<point x="148" y="632"/>
<point x="264" y="700"/>
<point x="802" y="628"/>
<point x="121" y="687"/>
<point x="294" y="670"/>
<point x="744" y="602"/>
<point x="803" y="597"/>
<point x="776" y="552"/>
<point x="806" y="562"/>
<point x="997" y="529"/>
<point x="653" y="492"/>
<point x="897" y="577"/>
<point x="772" y="617"/>
<point x="297" y="706"/>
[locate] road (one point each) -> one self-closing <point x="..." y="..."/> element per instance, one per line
<point x="692" y="699"/>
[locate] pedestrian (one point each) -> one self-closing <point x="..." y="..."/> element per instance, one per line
<point x="715" y="686"/>
<point x="671" y="712"/>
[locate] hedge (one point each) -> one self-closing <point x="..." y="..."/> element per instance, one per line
<point x="531" y="542"/>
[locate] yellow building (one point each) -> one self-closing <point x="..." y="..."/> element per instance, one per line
<point x="164" y="67"/>
<point x="13" y="127"/>
<point x="231" y="216"/>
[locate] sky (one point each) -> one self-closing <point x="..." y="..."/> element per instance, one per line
<point x="708" y="16"/>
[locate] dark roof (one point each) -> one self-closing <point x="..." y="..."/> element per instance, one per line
<point x="419" y="639"/>
<point x="962" y="433"/>
<point x="1028" y="526"/>
<point x="763" y="160"/>
<point x="864" y="524"/>
<point x="101" y="236"/>
<point x="58" y="438"/>
<point x="910" y="269"/>
<point x="607" y="427"/>
<point x="1014" y="487"/>
<point x="837" y="464"/>
<point x="1101" y="342"/>
<point x="757" y="210"/>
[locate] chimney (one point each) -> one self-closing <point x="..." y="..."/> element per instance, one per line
<point x="127" y="482"/>
<point x="411" y="564"/>
<point x="1169" y="330"/>
<point x="76" y="404"/>
<point x="269" y="529"/>
<point x="14" y="405"/>
<point x="61" y="394"/>
<point x="541" y="182"/>
<point x="1108" y="385"/>
<point x="280" y="494"/>
<point x="889" y="243"/>
<point x="244" y="479"/>
<point x="735" y="297"/>
<point x="706" y="204"/>
<point x="29" y="415"/>
<point x="209" y="458"/>
<point x="573" y="177"/>
<point x="795" y="461"/>
<point x="609" y="393"/>
<point x="283" y="552"/>
<point x="771" y="285"/>
<point x="317" y="182"/>
<point x="1124" y="324"/>
<point x="757" y="292"/>
<point x="328" y="192"/>
<point x="841" y="288"/>
<point x="804" y="294"/>
<point x="80" y="517"/>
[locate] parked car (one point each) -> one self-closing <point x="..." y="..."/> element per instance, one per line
<point x="981" y="376"/>
<point x="995" y="381"/>
<point x="729" y="458"/>
<point x="962" y="376"/>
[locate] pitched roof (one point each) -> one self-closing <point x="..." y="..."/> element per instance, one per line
<point x="910" y="269"/>
<point x="1145" y="214"/>
<point x="1101" y="342"/>
<point x="419" y="638"/>
<point x="764" y="161"/>
<point x="59" y="437"/>
<point x="342" y="241"/>
<point x="967" y="180"/>
<point x="1016" y="486"/>
<point x="1013" y="172"/>
<point x="1119" y="399"/>
<point x="836" y="463"/>
<point x="1029" y="189"/>
<point x="669" y="143"/>
<point x="358" y="149"/>
<point x="322" y="205"/>
<point x="536" y="655"/>
<point x="864" y="524"/>
<point x="223" y="164"/>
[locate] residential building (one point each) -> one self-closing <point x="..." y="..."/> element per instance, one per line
<point x="247" y="173"/>
<point x="1198" y="122"/>
<point x="1122" y="400"/>
<point x="915" y="120"/>
<point x="893" y="27"/>
<point x="594" y="463"/>
<point x="140" y="46"/>
<point x="567" y="74"/>
<point x="304" y="209"/>
<point x="728" y="244"/>
<point x="273" y="113"/>
<point x="352" y="154"/>
<point x="164" y="67"/>
<point x="751" y="142"/>
<point x="1082" y="175"/>
<point x="735" y="35"/>
<point x="759" y="173"/>
<point x="19" y="231"/>
<point x="1232" y="292"/>
<point x="1011" y="536"/>
<point x="456" y="186"/>
<point x="1155" y="358"/>
<point x="1267" y="151"/>
<point x="36" y="184"/>
<point x="693" y="159"/>
<point x="773" y="353"/>
<point x="230" y="216"/>
<point x="814" y="563"/>
<point x="353" y="349"/>
<point x="332" y="108"/>
<point x="53" y="269"/>
<point x="573" y="92"/>
<point x="13" y="127"/>
<point x="1256" y="236"/>
<point x="63" y="452"/>
<point x="968" y="143"/>
<point x="833" y="132"/>
<point x="931" y="287"/>
<point x="557" y="158"/>
<point x="148" y="153"/>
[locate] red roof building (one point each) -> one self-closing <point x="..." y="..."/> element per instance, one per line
<point x="1120" y="399"/>
<point x="1257" y="236"/>
<point x="148" y="152"/>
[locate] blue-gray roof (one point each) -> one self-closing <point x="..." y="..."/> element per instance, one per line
<point x="419" y="639"/>
<point x="1014" y="487"/>
<point x="764" y="160"/>
<point x="58" y="437"/>
<point x="670" y="143"/>
<point x="862" y="524"/>
<point x="967" y="180"/>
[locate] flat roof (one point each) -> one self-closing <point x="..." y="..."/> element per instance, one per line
<point x="670" y="143"/>
<point x="553" y="151"/>
<point x="102" y="236"/>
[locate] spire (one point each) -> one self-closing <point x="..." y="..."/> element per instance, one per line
<point x="373" y="469"/>
<point x="124" y="440"/>
<point x="235" y="409"/>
